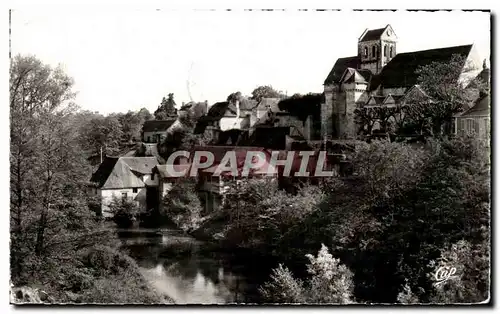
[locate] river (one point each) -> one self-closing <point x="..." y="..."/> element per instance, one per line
<point x="191" y="271"/>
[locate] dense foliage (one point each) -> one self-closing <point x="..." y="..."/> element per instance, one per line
<point x="115" y="133"/>
<point x="403" y="207"/>
<point x="328" y="282"/>
<point x="51" y="224"/>
<point x="182" y="205"/>
<point x="166" y="109"/>
<point x="303" y="106"/>
<point x="125" y="211"/>
<point x="266" y="91"/>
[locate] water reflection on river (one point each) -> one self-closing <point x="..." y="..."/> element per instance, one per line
<point x="182" y="268"/>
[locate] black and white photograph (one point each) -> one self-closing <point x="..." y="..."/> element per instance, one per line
<point x="249" y="157"/>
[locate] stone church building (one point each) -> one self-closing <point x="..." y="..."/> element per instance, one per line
<point x="378" y="76"/>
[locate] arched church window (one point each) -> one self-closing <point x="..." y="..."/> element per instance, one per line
<point x="366" y="52"/>
<point x="385" y="50"/>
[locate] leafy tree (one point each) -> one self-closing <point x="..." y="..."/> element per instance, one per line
<point x="266" y="91"/>
<point x="183" y="205"/>
<point x="446" y="92"/>
<point x="303" y="106"/>
<point x="166" y="109"/>
<point x="405" y="211"/>
<point x="103" y="132"/>
<point x="235" y="96"/>
<point x="444" y="83"/>
<point x="262" y="216"/>
<point x="365" y="118"/>
<point x="48" y="205"/>
<point x="50" y="221"/>
<point x="131" y="123"/>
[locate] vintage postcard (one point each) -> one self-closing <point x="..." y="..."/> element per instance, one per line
<point x="250" y="157"/>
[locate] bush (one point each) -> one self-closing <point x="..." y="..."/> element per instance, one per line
<point x="125" y="211"/>
<point x="329" y="282"/>
<point x="183" y="206"/>
<point x="116" y="278"/>
<point x="470" y="284"/>
<point x="263" y="217"/>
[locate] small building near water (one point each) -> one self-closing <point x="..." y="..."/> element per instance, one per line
<point x="127" y="178"/>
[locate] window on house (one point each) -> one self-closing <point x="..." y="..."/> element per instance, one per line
<point x="385" y="50"/>
<point x="124" y="195"/>
<point x="470" y="126"/>
<point x="153" y="176"/>
<point x="461" y="126"/>
<point x="134" y="190"/>
<point x="390" y="51"/>
<point x="366" y="52"/>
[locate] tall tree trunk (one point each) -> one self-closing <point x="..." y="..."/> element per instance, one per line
<point x="42" y="224"/>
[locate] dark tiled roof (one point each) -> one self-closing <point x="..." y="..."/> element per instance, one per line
<point x="481" y="108"/>
<point x="372" y="34"/>
<point x="340" y="66"/>
<point x="217" y="110"/>
<point x="157" y="125"/>
<point x="400" y="71"/>
<point x="124" y="172"/>
<point x="367" y="74"/>
<point x="101" y="175"/>
<point x="352" y="75"/>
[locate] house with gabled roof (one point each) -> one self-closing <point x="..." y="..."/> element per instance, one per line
<point x="374" y="74"/>
<point x="154" y="131"/>
<point x="476" y="120"/>
<point x="127" y="178"/>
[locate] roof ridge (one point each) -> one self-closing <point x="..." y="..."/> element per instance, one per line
<point x="426" y="50"/>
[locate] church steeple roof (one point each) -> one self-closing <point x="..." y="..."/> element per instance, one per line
<point x="372" y="34"/>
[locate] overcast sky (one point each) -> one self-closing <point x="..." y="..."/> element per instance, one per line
<point x="126" y="60"/>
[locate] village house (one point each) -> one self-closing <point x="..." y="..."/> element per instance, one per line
<point x="154" y="131"/>
<point x="125" y="178"/>
<point x="476" y="120"/>
<point x="267" y="112"/>
<point x="378" y="76"/>
<point x="225" y="116"/>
